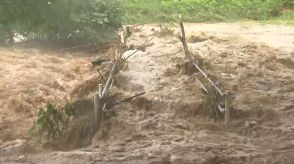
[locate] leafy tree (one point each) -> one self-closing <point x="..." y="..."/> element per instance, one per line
<point x="74" y="20"/>
<point x="289" y="4"/>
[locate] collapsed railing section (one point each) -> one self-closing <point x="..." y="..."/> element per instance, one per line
<point x="101" y="97"/>
<point x="221" y="98"/>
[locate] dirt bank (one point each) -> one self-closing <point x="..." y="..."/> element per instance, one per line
<point x="168" y="124"/>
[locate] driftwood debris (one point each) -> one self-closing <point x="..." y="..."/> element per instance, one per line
<point x="128" y="99"/>
<point x="141" y="47"/>
<point x="144" y="45"/>
<point x="98" y="61"/>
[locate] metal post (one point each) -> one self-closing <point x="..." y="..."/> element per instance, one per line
<point x="96" y="102"/>
<point x="100" y="90"/>
<point x="98" y="109"/>
<point x="227" y="110"/>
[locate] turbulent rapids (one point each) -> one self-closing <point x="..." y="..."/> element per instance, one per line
<point x="169" y="123"/>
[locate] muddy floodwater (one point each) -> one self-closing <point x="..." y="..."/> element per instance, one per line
<point x="168" y="124"/>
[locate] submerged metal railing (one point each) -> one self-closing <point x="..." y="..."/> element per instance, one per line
<point x="223" y="95"/>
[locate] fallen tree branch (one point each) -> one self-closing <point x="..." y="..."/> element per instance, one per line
<point x="144" y="44"/>
<point x="127" y="99"/>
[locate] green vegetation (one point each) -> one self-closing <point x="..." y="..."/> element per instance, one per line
<point x="52" y="121"/>
<point x="288" y="3"/>
<point x="286" y="18"/>
<point x="59" y="20"/>
<point x="76" y="21"/>
<point x="138" y="11"/>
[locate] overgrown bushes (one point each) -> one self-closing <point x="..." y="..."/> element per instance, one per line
<point x="51" y="20"/>
<point x="288" y="4"/>
<point x="202" y="10"/>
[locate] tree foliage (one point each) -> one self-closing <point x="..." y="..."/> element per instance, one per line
<point x="52" y="122"/>
<point x="60" y="19"/>
<point x="289" y="4"/>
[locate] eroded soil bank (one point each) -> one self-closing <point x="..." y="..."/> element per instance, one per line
<point x="168" y="124"/>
